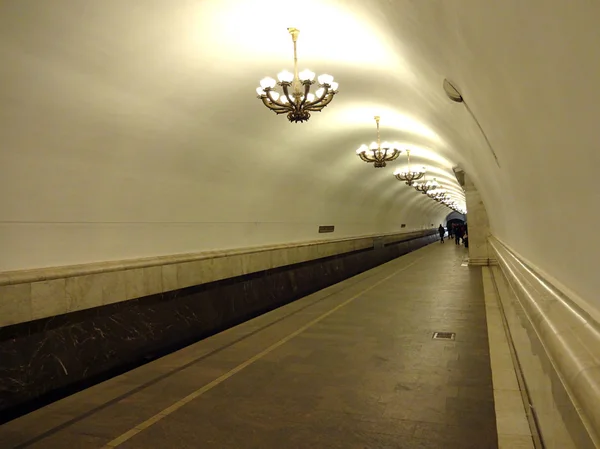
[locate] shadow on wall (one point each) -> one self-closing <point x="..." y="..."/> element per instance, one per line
<point x="48" y="359"/>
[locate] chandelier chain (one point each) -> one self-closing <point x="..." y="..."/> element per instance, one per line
<point x="294" y="32"/>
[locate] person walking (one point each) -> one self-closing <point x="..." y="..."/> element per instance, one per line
<point x="457" y="235"/>
<point x="442" y="231"/>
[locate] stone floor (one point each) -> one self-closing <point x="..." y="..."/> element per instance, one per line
<point x="352" y="366"/>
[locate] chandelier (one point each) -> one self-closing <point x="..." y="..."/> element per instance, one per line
<point x="378" y="153"/>
<point x="438" y="194"/>
<point x="296" y="100"/>
<point x="409" y="176"/>
<point x="425" y="187"/>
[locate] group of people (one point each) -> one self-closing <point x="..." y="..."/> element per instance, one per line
<point x="458" y="231"/>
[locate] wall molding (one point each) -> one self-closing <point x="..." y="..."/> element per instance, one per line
<point x="568" y="334"/>
<point x="593" y="312"/>
<point x="479" y="261"/>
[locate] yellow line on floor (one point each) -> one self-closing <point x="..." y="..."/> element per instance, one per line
<point x="177" y="405"/>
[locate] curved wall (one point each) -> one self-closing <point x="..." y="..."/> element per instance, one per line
<point x="132" y="130"/>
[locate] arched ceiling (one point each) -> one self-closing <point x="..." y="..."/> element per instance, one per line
<point x="133" y="128"/>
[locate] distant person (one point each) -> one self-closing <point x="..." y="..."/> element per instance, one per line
<point x="466" y="238"/>
<point x="458" y="235"/>
<point x="449" y="231"/>
<point x="442" y="231"/>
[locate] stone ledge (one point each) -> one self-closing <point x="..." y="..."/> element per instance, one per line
<point x="28" y="295"/>
<point x="569" y="335"/>
<point x="479" y="262"/>
<point x="50" y="273"/>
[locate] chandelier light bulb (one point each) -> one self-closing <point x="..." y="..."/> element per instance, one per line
<point x="285" y="77"/>
<point x="296" y="86"/>
<point x="267" y="83"/>
<point x="362" y="149"/>
<point x="325" y="79"/>
<point x="306" y="75"/>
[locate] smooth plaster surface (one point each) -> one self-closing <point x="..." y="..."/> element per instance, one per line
<point x="131" y="129"/>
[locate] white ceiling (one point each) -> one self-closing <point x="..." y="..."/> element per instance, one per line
<point x="121" y="123"/>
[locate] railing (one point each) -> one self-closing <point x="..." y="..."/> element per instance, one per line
<point x="569" y="335"/>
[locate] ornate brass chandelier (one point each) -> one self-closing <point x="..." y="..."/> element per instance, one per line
<point x="454" y="205"/>
<point x="378" y="153"/>
<point x="296" y="100"/>
<point x="408" y="175"/>
<point x="438" y="194"/>
<point x="425" y="187"/>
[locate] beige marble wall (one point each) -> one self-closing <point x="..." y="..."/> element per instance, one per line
<point x="558" y="350"/>
<point x="479" y="228"/>
<point x="32" y="294"/>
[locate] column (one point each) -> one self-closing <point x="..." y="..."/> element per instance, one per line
<point x="478" y="225"/>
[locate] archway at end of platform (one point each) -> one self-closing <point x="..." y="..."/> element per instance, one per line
<point x="455" y="218"/>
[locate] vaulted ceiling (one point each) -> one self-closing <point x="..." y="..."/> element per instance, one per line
<point x="132" y="128"/>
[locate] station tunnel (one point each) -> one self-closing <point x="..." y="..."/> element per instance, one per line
<point x="204" y="244"/>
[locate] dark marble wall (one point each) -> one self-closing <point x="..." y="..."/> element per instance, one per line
<point x="44" y="360"/>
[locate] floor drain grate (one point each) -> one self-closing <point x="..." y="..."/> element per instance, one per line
<point x="444" y="335"/>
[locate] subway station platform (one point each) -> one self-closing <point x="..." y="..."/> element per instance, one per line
<point x="351" y="366"/>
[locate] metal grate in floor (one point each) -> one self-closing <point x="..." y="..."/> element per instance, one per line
<point x="444" y="335"/>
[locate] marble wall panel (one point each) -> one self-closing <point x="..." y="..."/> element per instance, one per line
<point x="555" y="346"/>
<point x="53" y="291"/>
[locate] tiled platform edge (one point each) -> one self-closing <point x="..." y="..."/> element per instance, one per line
<point x="67" y="328"/>
<point x="557" y="346"/>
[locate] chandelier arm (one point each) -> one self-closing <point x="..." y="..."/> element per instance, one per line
<point x="322" y="97"/>
<point x="272" y="100"/>
<point x="306" y="91"/>
<point x="315" y="106"/>
<point x="364" y="157"/>
<point x="277" y="109"/>
<point x="286" y="92"/>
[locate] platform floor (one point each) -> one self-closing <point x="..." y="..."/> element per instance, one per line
<point x="352" y="366"/>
